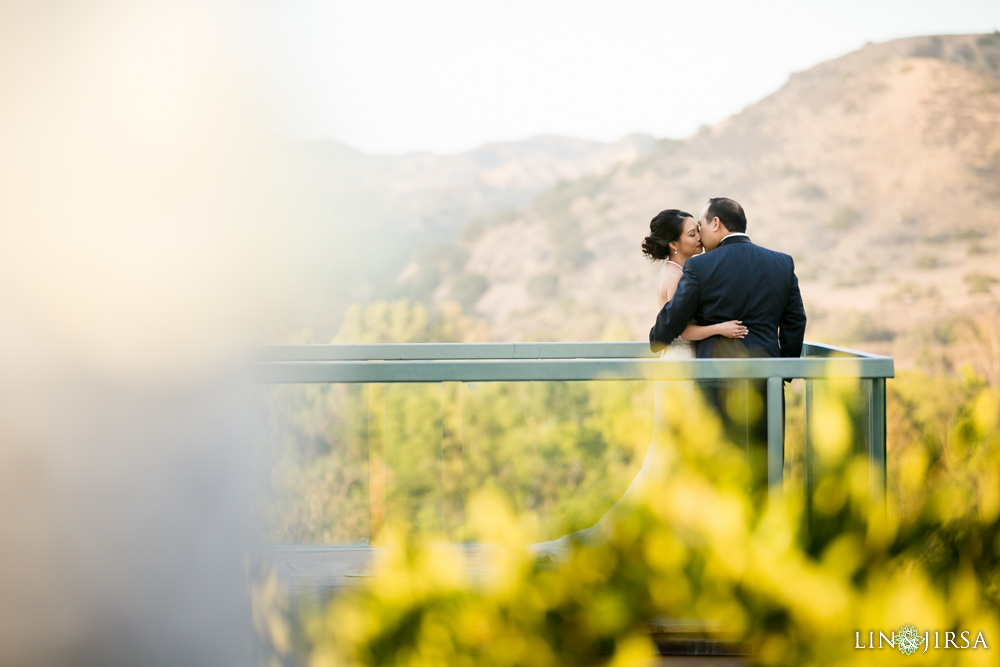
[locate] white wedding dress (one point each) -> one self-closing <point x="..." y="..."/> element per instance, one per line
<point x="652" y="464"/>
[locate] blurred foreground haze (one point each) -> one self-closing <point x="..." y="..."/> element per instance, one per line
<point x="155" y="221"/>
<point x="149" y="228"/>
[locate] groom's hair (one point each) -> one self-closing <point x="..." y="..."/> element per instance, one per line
<point x="729" y="213"/>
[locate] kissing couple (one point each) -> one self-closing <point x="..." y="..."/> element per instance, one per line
<point x="735" y="299"/>
<point x="720" y="296"/>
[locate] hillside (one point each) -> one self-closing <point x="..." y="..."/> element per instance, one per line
<point x="878" y="171"/>
<point x="369" y="215"/>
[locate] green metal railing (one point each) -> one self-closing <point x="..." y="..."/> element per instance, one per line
<point x="591" y="361"/>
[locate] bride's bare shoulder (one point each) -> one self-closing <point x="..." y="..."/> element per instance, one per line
<point x="666" y="283"/>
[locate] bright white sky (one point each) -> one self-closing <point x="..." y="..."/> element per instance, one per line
<point x="393" y="76"/>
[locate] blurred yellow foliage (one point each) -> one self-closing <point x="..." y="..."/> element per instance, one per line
<point x="792" y="580"/>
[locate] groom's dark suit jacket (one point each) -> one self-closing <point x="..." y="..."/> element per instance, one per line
<point x="737" y="281"/>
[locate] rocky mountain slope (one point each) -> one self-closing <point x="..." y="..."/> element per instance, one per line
<point x="878" y="171"/>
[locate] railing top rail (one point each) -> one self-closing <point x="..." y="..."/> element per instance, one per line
<point x="824" y="350"/>
<point x="494" y="351"/>
<point x="446" y="351"/>
<point x="534" y="370"/>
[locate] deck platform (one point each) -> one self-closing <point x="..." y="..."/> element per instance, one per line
<point x="321" y="571"/>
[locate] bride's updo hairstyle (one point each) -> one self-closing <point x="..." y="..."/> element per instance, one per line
<point x="664" y="229"/>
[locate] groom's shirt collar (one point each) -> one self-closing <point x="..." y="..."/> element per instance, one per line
<point x="734" y="237"/>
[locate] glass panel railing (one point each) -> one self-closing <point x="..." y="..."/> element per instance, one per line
<point x="413" y="431"/>
<point x="339" y="463"/>
<point x="559" y="452"/>
<point x="311" y="464"/>
<point x="350" y="447"/>
<point x="841" y="419"/>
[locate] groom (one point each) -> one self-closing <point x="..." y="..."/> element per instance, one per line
<point x="736" y="280"/>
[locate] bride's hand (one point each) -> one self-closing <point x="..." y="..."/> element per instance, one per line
<point x="733" y="329"/>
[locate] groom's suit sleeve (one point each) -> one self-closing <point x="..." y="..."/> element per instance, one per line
<point x="792" y="328"/>
<point x="674" y="317"/>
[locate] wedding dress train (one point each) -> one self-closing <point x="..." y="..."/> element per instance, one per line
<point x="652" y="466"/>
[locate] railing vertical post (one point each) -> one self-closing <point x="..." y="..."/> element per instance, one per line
<point x="807" y="401"/>
<point x="775" y="436"/>
<point x="876" y="440"/>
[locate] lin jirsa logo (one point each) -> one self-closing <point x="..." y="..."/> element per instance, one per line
<point x="908" y="640"/>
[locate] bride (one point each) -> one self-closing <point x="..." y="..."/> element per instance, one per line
<point x="673" y="239"/>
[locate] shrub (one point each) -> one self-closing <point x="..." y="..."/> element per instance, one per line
<point x="553" y="206"/>
<point x="947" y="332"/>
<point x="979" y="283"/>
<point x="863" y="327"/>
<point x="809" y="191"/>
<point x="930" y="48"/>
<point x="543" y="286"/>
<point x="476" y="227"/>
<point x="861" y="275"/>
<point x="447" y="257"/>
<point x="845" y="218"/>
<point x="467" y="288"/>
<point x="970" y="235"/>
<point x="572" y="254"/>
